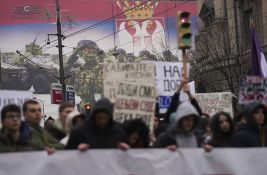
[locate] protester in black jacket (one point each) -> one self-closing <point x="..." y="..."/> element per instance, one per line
<point x="99" y="130"/>
<point x="254" y="132"/>
<point x="222" y="127"/>
<point x="137" y="133"/>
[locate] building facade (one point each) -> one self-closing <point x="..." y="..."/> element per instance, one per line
<point x="222" y="56"/>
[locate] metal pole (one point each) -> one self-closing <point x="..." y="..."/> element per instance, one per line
<point x="0" y="69"/>
<point x="60" y="52"/>
<point x="184" y="72"/>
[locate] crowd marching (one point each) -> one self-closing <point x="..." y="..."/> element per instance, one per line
<point x="184" y="126"/>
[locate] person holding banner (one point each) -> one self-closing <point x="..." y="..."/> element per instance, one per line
<point x="13" y="137"/>
<point x="99" y="130"/>
<point x="222" y="127"/>
<point x="254" y="132"/>
<point x="40" y="138"/>
<point x="181" y="131"/>
<point x="137" y="133"/>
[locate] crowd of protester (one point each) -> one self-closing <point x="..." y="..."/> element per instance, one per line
<point x="184" y="126"/>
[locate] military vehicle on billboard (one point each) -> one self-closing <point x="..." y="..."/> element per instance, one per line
<point x="42" y="74"/>
<point x="14" y="77"/>
<point x="25" y="75"/>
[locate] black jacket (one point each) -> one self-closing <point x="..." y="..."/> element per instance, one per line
<point x="89" y="133"/>
<point x="249" y="134"/>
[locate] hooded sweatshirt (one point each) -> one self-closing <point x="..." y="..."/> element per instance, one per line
<point x="250" y="134"/>
<point x="69" y="126"/>
<point x="175" y="135"/>
<point x="89" y="133"/>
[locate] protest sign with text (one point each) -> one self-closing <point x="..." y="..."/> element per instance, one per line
<point x="14" y="97"/>
<point x="253" y="89"/>
<point x="131" y="87"/>
<point x="211" y="103"/>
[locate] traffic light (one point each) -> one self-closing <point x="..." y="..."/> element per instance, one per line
<point x="87" y="108"/>
<point x="184" y="33"/>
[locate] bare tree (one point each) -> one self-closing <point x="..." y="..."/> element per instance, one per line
<point x="215" y="61"/>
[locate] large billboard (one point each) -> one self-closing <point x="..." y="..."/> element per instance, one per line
<point x="28" y="26"/>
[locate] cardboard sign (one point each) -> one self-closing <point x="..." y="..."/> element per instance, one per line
<point x="253" y="89"/>
<point x="131" y="87"/>
<point x="211" y="103"/>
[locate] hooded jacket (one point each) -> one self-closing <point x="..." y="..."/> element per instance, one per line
<point x="175" y="134"/>
<point x="89" y="133"/>
<point x="251" y="135"/>
<point x="69" y="126"/>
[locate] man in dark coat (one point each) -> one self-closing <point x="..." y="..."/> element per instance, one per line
<point x="99" y="130"/>
<point x="253" y="133"/>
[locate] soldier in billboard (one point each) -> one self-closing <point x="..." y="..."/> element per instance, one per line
<point x="85" y="66"/>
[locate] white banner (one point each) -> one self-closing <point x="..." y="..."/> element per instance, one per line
<point x="14" y="97"/>
<point x="137" y="162"/>
<point x="212" y="103"/>
<point x="132" y="89"/>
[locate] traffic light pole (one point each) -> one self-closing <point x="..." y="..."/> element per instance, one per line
<point x="60" y="53"/>
<point x="185" y="60"/>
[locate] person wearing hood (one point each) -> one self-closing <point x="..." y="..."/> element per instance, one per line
<point x="181" y="132"/>
<point x="73" y="119"/>
<point x="222" y="127"/>
<point x="99" y="130"/>
<point x="253" y="133"/>
<point x="137" y="133"/>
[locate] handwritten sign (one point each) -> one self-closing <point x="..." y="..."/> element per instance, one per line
<point x="131" y="87"/>
<point x="211" y="103"/>
<point x="253" y="89"/>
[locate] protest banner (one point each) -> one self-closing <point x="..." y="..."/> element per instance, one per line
<point x="168" y="76"/>
<point x="14" y="97"/>
<point x="131" y="87"/>
<point x="137" y="162"/>
<point x="211" y="103"/>
<point x="253" y="89"/>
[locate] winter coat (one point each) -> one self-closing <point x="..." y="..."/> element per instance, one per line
<point x="249" y="134"/>
<point x="175" y="135"/>
<point x="56" y="130"/>
<point x="175" y="102"/>
<point x="7" y="143"/>
<point x="69" y="126"/>
<point x="89" y="133"/>
<point x="40" y="138"/>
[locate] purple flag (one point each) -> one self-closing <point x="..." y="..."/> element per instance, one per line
<point x="259" y="64"/>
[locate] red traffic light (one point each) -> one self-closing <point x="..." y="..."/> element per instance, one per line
<point x="87" y="107"/>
